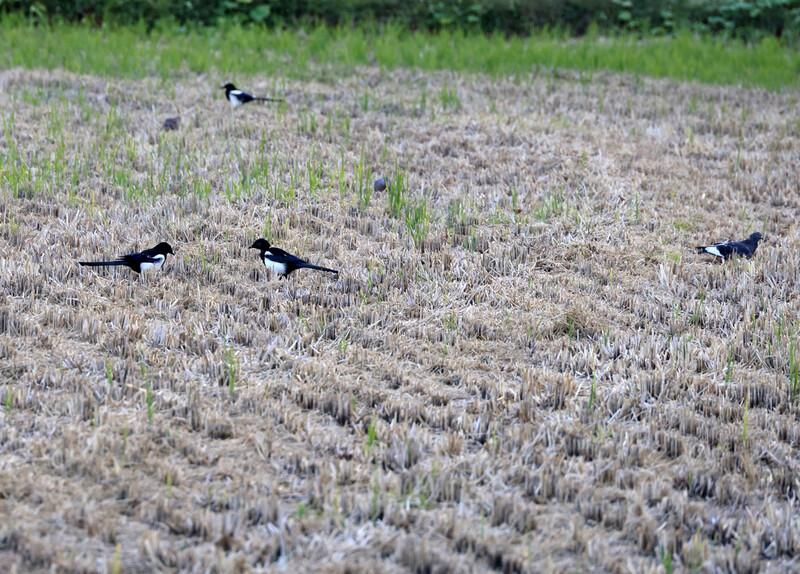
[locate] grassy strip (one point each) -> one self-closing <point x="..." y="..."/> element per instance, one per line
<point x="129" y="52"/>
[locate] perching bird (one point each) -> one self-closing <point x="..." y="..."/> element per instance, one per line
<point x="142" y="261"/>
<point x="237" y="97"/>
<point x="745" y="248"/>
<point x="281" y="262"/>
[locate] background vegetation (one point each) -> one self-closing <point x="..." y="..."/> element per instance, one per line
<point x="322" y="52"/>
<point x="730" y="18"/>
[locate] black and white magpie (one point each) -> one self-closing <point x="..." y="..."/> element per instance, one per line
<point x="281" y="262"/>
<point x="142" y="261"/>
<point x="237" y="97"/>
<point x="724" y="250"/>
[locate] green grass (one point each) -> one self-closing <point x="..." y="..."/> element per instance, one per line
<point x="418" y="219"/>
<point x="234" y="51"/>
<point x="231" y="370"/>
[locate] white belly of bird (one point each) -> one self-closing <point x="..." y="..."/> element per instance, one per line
<point x="713" y="251"/>
<point x="279" y="268"/>
<point x="234" y="99"/>
<point x="146" y="266"/>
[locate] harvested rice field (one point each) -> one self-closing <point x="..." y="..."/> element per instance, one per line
<point x="522" y="365"/>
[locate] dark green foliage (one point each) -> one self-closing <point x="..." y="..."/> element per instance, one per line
<point x="734" y="18"/>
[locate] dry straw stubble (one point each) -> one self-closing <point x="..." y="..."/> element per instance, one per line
<point x="522" y="366"/>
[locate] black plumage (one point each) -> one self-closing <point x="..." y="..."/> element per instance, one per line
<point x="237" y="97"/>
<point x="139" y="261"/>
<point x="724" y="250"/>
<point x="281" y="262"/>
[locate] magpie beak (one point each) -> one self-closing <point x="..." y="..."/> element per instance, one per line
<point x="744" y="248"/>
<point x="141" y="261"/>
<point x="237" y="97"/>
<point x="281" y="262"/>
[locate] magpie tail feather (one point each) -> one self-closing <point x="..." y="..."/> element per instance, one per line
<point x="318" y="268"/>
<point x="101" y="263"/>
<point x="269" y="99"/>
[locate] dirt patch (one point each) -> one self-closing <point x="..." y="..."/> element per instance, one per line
<point x="522" y="366"/>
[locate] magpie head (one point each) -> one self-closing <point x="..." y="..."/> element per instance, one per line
<point x="756" y="237"/>
<point x="163" y="248"/>
<point x="261" y="244"/>
<point x="228" y="87"/>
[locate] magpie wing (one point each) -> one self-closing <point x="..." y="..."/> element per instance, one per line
<point x="244" y="97"/>
<point x="726" y="249"/>
<point x="280" y="256"/>
<point x="742" y="248"/>
<point x="140" y="257"/>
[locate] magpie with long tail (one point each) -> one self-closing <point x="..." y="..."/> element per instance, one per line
<point x="141" y="261"/>
<point x="281" y="262"/>
<point x="724" y="250"/>
<point x="237" y="97"/>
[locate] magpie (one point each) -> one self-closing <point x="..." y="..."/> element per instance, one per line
<point x="281" y="262"/>
<point x="237" y="97"/>
<point x="725" y="250"/>
<point x="142" y="261"/>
